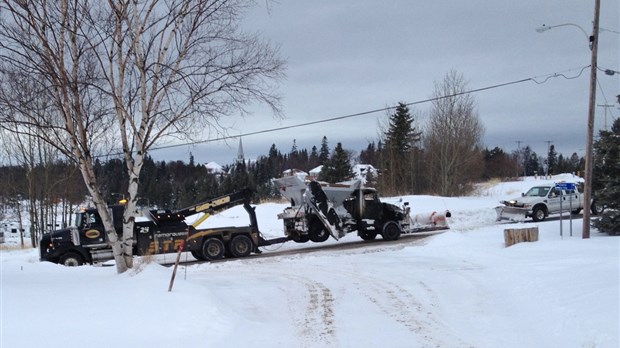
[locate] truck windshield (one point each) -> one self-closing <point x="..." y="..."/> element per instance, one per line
<point x="539" y="191"/>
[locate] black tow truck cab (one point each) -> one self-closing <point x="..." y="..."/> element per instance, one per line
<point x="162" y="231"/>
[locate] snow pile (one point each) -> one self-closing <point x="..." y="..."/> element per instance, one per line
<point x="461" y="288"/>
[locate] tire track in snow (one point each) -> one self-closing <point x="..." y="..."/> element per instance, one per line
<point x="315" y="324"/>
<point x="402" y="307"/>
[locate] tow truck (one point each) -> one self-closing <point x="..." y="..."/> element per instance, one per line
<point x="158" y="232"/>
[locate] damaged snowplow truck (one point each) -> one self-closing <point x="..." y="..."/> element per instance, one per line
<point x="162" y="231"/>
<point x="320" y="210"/>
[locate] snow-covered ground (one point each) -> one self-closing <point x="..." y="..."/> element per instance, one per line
<point x="460" y="288"/>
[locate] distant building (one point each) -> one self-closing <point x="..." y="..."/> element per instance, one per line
<point x="214" y="168"/>
<point x="240" y="155"/>
<point x="295" y="172"/>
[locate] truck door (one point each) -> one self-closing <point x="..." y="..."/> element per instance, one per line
<point x="553" y="200"/>
<point x="91" y="228"/>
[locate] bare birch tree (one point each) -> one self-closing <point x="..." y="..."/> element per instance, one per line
<point x="141" y="71"/>
<point x="452" y="138"/>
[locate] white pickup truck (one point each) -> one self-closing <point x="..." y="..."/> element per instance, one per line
<point x="542" y="201"/>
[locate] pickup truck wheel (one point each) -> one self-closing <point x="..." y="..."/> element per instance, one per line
<point x="538" y="214"/>
<point x="212" y="249"/>
<point x="240" y="246"/>
<point x="576" y="211"/>
<point x="71" y="260"/>
<point x="596" y="208"/>
<point x="391" y="231"/>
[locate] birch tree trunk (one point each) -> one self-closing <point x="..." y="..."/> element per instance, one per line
<point x="119" y="76"/>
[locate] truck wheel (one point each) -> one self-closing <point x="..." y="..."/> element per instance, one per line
<point x="576" y="211"/>
<point x="197" y="255"/>
<point x="538" y="214"/>
<point x="391" y="231"/>
<point x="367" y="235"/>
<point x="240" y="246"/>
<point x="596" y="208"/>
<point x="317" y="231"/>
<point x="300" y="238"/>
<point x="212" y="249"/>
<point x="71" y="260"/>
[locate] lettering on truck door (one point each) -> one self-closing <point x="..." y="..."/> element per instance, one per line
<point x="553" y="200"/>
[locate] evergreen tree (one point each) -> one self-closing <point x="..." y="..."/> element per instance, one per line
<point x="313" y="159"/>
<point x="552" y="160"/>
<point x="338" y="167"/>
<point x="606" y="178"/>
<point x="324" y="151"/>
<point x="398" y="154"/>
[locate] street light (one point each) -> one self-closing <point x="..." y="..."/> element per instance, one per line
<point x="593" y="39"/>
<point x="544" y="28"/>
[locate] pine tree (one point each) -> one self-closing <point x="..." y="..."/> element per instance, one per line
<point x="324" y="151"/>
<point x="552" y="160"/>
<point x="398" y="157"/>
<point x="606" y="178"/>
<point x="338" y="167"/>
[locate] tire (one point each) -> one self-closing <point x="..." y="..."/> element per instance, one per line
<point x="301" y="238"/>
<point x="596" y="209"/>
<point x="367" y="235"/>
<point x="71" y="260"/>
<point x="317" y="232"/>
<point x="576" y="211"/>
<point x="391" y="231"/>
<point x="240" y="246"/>
<point x="212" y="249"/>
<point x="539" y="214"/>
<point x="197" y="255"/>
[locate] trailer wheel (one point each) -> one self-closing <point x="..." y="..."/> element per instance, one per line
<point x="212" y="249"/>
<point x="538" y="214"/>
<point x="71" y="260"/>
<point x="391" y="231"/>
<point x="240" y="246"/>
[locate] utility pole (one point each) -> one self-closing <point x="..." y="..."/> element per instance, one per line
<point x="606" y="106"/>
<point x="519" y="157"/>
<point x="587" y="190"/>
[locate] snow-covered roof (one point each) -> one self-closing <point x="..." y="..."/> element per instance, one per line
<point x="214" y="168"/>
<point x="316" y="170"/>
<point x="362" y="170"/>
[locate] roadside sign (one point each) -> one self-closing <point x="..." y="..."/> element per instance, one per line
<point x="567" y="186"/>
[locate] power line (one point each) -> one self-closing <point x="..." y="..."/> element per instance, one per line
<point x="363" y="113"/>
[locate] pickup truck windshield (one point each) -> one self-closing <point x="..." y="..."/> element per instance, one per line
<point x="539" y="191"/>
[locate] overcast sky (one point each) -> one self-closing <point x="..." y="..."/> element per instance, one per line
<point x="347" y="57"/>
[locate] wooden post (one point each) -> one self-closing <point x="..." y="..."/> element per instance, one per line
<point x="518" y="235"/>
<point x="176" y="265"/>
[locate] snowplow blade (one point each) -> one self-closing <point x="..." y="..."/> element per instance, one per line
<point x="428" y="222"/>
<point x="511" y="213"/>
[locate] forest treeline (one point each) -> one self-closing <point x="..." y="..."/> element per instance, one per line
<point x="404" y="165"/>
<point x="177" y="184"/>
